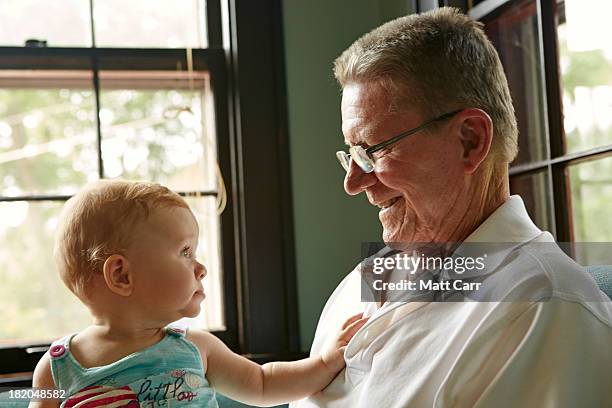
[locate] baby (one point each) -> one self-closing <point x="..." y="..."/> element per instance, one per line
<point x="126" y="249"/>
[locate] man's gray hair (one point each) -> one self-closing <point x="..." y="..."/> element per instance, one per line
<point x="436" y="62"/>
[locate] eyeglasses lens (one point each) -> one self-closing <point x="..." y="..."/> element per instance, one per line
<point x="362" y="159"/>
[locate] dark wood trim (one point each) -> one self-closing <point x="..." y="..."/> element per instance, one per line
<point x="284" y="154"/>
<point x="266" y="358"/>
<point x="233" y="109"/>
<point x="562" y="203"/>
<point x="20" y="358"/>
<point x="586" y="155"/>
<point x="572" y="158"/>
<point x="229" y="222"/>
<point x="22" y="380"/>
<point x="460" y="4"/>
<point x="487" y="8"/>
<point x="554" y="108"/>
<point x="267" y="273"/>
<point x="213" y="24"/>
<point x="150" y="59"/>
<point x="554" y="101"/>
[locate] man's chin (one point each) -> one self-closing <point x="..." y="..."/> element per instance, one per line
<point x="395" y="240"/>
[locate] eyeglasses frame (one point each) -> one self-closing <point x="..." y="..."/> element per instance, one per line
<point x="373" y="149"/>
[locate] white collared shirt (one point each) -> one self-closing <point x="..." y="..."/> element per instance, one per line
<point x="551" y="349"/>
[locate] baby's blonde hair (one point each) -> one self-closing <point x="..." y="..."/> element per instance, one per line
<point x="97" y="222"/>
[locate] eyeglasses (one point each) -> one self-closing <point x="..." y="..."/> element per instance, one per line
<point x="364" y="157"/>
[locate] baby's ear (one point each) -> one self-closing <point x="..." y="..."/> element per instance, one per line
<point x="117" y="275"/>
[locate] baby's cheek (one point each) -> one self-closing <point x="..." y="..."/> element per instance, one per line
<point x="179" y="287"/>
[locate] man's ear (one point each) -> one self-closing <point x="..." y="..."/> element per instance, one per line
<point x="118" y="276"/>
<point x="476" y="135"/>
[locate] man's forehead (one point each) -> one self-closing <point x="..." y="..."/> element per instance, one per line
<point x="366" y="98"/>
<point x="364" y="108"/>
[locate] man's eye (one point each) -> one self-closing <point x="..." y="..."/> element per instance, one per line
<point x="382" y="151"/>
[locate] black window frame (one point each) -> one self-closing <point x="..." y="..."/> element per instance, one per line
<point x="245" y="61"/>
<point x="555" y="166"/>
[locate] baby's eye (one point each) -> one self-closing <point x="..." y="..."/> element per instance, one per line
<point x="186" y="252"/>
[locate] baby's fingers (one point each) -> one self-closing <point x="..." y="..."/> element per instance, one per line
<point x="351" y="319"/>
<point x="347" y="333"/>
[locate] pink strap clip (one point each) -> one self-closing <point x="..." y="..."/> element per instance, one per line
<point x="57" y="350"/>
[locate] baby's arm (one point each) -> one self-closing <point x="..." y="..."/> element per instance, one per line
<point x="44" y="380"/>
<point x="273" y="383"/>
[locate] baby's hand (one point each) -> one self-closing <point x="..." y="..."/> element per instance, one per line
<point x="333" y="355"/>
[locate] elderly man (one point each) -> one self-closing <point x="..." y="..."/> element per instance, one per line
<point x="428" y="118"/>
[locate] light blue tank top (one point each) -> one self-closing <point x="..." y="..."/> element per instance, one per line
<point x="166" y="374"/>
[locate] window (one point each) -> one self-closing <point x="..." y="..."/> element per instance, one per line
<point x="100" y="98"/>
<point x="72" y="115"/>
<point x="116" y="23"/>
<point x="559" y="65"/>
<point x="154" y="130"/>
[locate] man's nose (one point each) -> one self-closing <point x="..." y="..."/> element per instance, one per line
<point x="200" y="271"/>
<point x="356" y="180"/>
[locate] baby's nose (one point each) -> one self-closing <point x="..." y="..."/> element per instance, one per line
<point x="200" y="271"/>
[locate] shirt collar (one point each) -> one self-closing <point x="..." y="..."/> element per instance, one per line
<point x="508" y="223"/>
<point x="507" y="228"/>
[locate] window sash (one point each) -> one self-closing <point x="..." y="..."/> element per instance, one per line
<point x="25" y="67"/>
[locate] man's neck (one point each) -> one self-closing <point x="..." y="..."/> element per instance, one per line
<point x="485" y="194"/>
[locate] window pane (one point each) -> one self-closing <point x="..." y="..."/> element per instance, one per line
<point x="515" y="35"/>
<point x="534" y="190"/>
<point x="35" y="306"/>
<point x="585" y="56"/>
<point x="158" y="127"/>
<point x="69" y="24"/>
<point x="209" y="254"/>
<point x="47" y="132"/>
<point x="150" y="23"/>
<point x="591" y="195"/>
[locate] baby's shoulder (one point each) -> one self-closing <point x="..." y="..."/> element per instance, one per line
<point x="82" y="339"/>
<point x="87" y="348"/>
<point x="203" y="340"/>
<point x="207" y="343"/>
